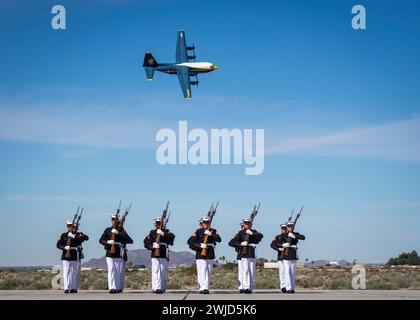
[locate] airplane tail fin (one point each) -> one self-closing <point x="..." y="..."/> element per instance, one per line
<point x="149" y="65"/>
<point x="149" y="60"/>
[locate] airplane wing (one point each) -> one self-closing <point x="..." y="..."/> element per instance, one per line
<point x="181" y="48"/>
<point x="183" y="74"/>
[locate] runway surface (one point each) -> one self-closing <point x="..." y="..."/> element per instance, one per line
<point x="214" y="295"/>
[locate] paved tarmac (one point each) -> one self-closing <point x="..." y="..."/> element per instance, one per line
<point x="214" y="295"/>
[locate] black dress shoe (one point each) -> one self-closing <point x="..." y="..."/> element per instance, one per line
<point x="66" y="291"/>
<point x="283" y="290"/>
<point x="73" y="291"/>
<point x="158" y="291"/>
<point x="247" y="291"/>
<point x="119" y="291"/>
<point x="290" y="291"/>
<point x="112" y="291"/>
<point x="201" y="292"/>
<point x="241" y="291"/>
<point x="205" y="291"/>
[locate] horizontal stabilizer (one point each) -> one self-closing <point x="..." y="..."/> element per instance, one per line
<point x="149" y="72"/>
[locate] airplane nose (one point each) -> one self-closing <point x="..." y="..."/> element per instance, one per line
<point x="215" y="67"/>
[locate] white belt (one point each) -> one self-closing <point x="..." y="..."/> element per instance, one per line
<point x="252" y="245"/>
<point x="208" y="244"/>
<point x="75" y="248"/>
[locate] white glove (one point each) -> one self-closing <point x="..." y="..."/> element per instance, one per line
<point x="159" y="231"/>
<point x="280" y="249"/>
<point x="114" y="231"/>
<point x="286" y="245"/>
<point x="67" y="248"/>
<point x="291" y="235"/>
<point x="244" y="243"/>
<point x="71" y="235"/>
<point x="249" y="232"/>
<point x="203" y="246"/>
<point x="110" y="242"/>
<point x="207" y="232"/>
<point x="156" y="245"/>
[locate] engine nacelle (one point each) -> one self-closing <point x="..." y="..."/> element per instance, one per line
<point x="194" y="83"/>
<point x="191" y="48"/>
<point x="192" y="57"/>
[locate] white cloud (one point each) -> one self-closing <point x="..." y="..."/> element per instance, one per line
<point x="397" y="140"/>
<point x="102" y="125"/>
<point x="76" y="126"/>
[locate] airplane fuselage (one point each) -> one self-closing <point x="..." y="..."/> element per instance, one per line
<point x="194" y="67"/>
<point x="184" y="67"/>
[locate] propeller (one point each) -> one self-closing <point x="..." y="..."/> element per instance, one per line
<point x="196" y="82"/>
<point x="192" y="48"/>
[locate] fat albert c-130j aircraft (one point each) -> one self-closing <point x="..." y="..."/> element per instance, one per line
<point x="183" y="67"/>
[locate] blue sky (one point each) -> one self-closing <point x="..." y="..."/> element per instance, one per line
<point x="340" y="109"/>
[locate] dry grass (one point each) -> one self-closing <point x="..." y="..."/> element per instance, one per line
<point x="223" y="278"/>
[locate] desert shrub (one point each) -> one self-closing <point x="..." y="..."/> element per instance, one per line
<point x="99" y="284"/>
<point x="380" y="285"/>
<point x="174" y="284"/>
<point x="402" y="283"/>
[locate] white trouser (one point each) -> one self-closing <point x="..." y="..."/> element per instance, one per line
<point x="290" y="270"/>
<point x="282" y="274"/>
<point x="204" y="270"/>
<point x="166" y="274"/>
<point x="240" y="274"/>
<point x="121" y="281"/>
<point x="114" y="272"/>
<point x="70" y="274"/>
<point x="248" y="271"/>
<point x="159" y="273"/>
<point x="78" y="269"/>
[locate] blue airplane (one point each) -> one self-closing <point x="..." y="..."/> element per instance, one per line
<point x="183" y="67"/>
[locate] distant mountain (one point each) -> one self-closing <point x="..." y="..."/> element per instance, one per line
<point x="322" y="263"/>
<point x="344" y="263"/>
<point x="142" y="257"/>
<point x="316" y="263"/>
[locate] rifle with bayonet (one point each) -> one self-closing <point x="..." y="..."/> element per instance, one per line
<point x="291" y="216"/>
<point x="252" y="217"/>
<point x="211" y="213"/>
<point x="74" y="228"/>
<point x="167" y="220"/>
<point x="161" y="225"/>
<point x="285" y="252"/>
<point x="122" y="221"/>
<point x="113" y="249"/>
